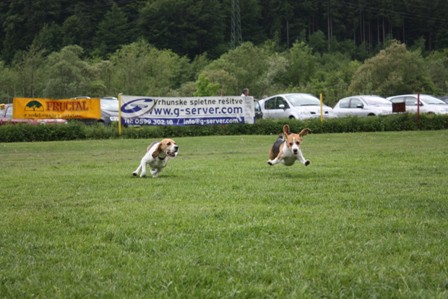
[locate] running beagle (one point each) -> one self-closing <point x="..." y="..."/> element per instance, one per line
<point x="286" y="149"/>
<point x="157" y="155"/>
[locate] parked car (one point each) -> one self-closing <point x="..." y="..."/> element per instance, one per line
<point x="258" y="113"/>
<point x="109" y="110"/>
<point x="444" y="98"/>
<point x="6" y="113"/>
<point x="363" y="105"/>
<point x="293" y="105"/>
<point x="428" y="104"/>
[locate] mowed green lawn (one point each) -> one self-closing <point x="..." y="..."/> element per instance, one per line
<point x="368" y="218"/>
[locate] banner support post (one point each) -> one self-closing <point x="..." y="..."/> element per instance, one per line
<point x="119" y="114"/>
<point x="321" y="108"/>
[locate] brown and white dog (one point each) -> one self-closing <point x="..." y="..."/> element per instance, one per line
<point x="157" y="155"/>
<point x="287" y="150"/>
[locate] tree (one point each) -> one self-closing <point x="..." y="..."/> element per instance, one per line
<point x="394" y="70"/>
<point x="80" y="26"/>
<point x="112" y="31"/>
<point x="240" y="67"/>
<point x="8" y="81"/>
<point x="67" y="75"/>
<point x="437" y="64"/>
<point x="28" y="64"/>
<point x="23" y="21"/>
<point x="317" y="42"/>
<point x="188" y="27"/>
<point x="141" y="69"/>
<point x="206" y="88"/>
<point x="302" y="64"/>
<point x="48" y="38"/>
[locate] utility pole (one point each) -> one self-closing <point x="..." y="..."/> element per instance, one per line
<point x="235" y="26"/>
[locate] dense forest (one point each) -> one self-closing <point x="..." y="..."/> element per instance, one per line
<point x="60" y="48"/>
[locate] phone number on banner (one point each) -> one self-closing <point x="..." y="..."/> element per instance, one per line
<point x="181" y="121"/>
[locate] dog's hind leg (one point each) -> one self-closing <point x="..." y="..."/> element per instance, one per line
<point x="277" y="160"/>
<point x="135" y="173"/>
<point x="154" y="172"/>
<point x="143" y="167"/>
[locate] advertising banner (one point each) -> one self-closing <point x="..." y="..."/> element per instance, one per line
<point x="182" y="111"/>
<point x="39" y="108"/>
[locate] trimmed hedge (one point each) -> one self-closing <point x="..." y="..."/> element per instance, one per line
<point x="27" y="132"/>
<point x="75" y="131"/>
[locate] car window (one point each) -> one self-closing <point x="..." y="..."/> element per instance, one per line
<point x="275" y="103"/>
<point x="356" y="103"/>
<point x="376" y="101"/>
<point x="109" y="105"/>
<point x="9" y="112"/>
<point x="269" y="104"/>
<point x="344" y="103"/>
<point x="397" y="100"/>
<point x="411" y="101"/>
<point x="281" y="101"/>
<point x="303" y="99"/>
<point x="431" y="100"/>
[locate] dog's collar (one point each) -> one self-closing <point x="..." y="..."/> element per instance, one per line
<point x="162" y="157"/>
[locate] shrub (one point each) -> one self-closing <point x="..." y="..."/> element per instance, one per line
<point x="27" y="132"/>
<point x="76" y="130"/>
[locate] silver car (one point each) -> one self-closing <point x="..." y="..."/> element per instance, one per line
<point x="362" y="105"/>
<point x="293" y="106"/>
<point x="428" y="104"/>
<point x="109" y="110"/>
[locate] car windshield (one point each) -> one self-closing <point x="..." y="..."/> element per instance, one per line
<point x="8" y="112"/>
<point x="302" y="100"/>
<point x="431" y="100"/>
<point x="109" y="104"/>
<point x="377" y="101"/>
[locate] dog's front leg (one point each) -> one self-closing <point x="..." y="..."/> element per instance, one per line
<point x="302" y="158"/>
<point x="277" y="160"/>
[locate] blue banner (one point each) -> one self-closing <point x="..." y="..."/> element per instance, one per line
<point x="140" y="110"/>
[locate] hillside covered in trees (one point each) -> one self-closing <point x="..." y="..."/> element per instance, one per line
<point x="194" y="27"/>
<point x="60" y="48"/>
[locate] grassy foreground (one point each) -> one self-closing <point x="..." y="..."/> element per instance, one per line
<point x="368" y="218"/>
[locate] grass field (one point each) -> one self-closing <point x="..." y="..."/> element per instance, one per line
<point x="367" y="219"/>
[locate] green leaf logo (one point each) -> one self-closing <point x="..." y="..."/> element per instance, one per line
<point x="34" y="106"/>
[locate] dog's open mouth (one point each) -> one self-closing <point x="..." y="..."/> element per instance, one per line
<point x="171" y="154"/>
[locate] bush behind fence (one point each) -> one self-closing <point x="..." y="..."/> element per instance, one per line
<point x="79" y="131"/>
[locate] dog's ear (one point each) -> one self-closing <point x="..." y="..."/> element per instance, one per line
<point x="286" y="130"/>
<point x="304" y="132"/>
<point x="159" y="148"/>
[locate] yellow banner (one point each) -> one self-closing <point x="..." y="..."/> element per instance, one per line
<point x="54" y="108"/>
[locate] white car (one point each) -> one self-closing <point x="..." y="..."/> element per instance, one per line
<point x="428" y="104"/>
<point x="362" y="105"/>
<point x="294" y="106"/>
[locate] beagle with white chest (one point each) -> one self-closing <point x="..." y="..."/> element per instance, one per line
<point x="157" y="155"/>
<point x="287" y="150"/>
